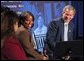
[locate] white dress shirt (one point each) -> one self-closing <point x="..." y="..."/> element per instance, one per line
<point x="65" y="31"/>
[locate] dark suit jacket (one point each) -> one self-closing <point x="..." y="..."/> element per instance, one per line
<point x="55" y="34"/>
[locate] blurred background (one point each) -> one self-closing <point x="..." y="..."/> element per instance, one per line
<point x="50" y="10"/>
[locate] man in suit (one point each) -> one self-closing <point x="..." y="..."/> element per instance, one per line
<point x="60" y="30"/>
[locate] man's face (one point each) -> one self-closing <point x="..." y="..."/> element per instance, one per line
<point x="68" y="15"/>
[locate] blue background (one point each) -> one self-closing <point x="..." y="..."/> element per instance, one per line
<point x="50" y="10"/>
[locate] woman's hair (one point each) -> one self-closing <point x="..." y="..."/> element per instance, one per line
<point x="23" y="16"/>
<point x="3" y="11"/>
<point x="7" y="24"/>
<point x="4" y="8"/>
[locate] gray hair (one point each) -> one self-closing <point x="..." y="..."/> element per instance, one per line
<point x="70" y="7"/>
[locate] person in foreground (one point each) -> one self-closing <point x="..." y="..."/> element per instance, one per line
<point x="60" y="30"/>
<point x="24" y="35"/>
<point x="11" y="48"/>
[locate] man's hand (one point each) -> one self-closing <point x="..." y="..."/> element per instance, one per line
<point x="45" y="57"/>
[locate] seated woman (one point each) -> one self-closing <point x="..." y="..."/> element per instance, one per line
<point x="24" y="35"/>
<point x="11" y="48"/>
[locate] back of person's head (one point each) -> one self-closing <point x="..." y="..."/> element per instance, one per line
<point x="24" y="16"/>
<point x="10" y="18"/>
<point x="3" y="11"/>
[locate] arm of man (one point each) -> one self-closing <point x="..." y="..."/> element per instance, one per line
<point x="51" y="39"/>
<point x="51" y="35"/>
